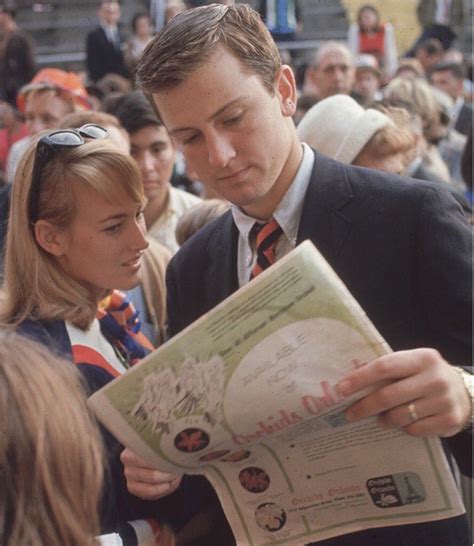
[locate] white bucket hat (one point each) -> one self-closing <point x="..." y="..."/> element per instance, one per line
<point x="339" y="127"/>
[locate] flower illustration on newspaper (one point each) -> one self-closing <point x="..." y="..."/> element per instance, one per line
<point x="198" y="390"/>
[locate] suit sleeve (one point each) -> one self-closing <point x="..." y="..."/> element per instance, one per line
<point x="445" y="273"/>
<point x="444" y="254"/>
<point x="91" y="57"/>
<point x="173" y="305"/>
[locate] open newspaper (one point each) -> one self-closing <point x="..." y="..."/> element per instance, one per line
<point x="245" y="396"/>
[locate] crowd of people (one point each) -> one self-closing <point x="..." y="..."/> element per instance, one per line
<point x="129" y="207"/>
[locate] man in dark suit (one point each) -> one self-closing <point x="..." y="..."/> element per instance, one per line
<point x="402" y="248"/>
<point x="449" y="77"/>
<point x="104" y="44"/>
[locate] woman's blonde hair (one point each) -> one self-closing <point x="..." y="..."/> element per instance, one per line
<point x="421" y="96"/>
<point x="51" y="459"/>
<point x="34" y="285"/>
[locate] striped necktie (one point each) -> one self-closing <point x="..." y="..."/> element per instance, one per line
<point x="267" y="236"/>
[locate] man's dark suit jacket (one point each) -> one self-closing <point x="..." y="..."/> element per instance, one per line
<point x="464" y="120"/>
<point x="102" y="57"/>
<point x="403" y="248"/>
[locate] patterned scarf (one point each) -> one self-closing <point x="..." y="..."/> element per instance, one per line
<point x="120" y="325"/>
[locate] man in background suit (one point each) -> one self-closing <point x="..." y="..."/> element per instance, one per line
<point x="449" y="77"/>
<point x="104" y="44"/>
<point x="440" y="19"/>
<point x="229" y="109"/>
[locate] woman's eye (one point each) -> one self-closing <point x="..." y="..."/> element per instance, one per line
<point x="112" y="229"/>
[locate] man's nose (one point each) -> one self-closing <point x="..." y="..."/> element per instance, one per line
<point x="220" y="150"/>
<point x="147" y="163"/>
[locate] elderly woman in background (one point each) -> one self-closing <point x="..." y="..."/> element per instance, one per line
<point x="421" y="96"/>
<point x="340" y="128"/>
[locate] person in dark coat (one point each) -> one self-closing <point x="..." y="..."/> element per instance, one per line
<point x="17" y="56"/>
<point x="104" y="53"/>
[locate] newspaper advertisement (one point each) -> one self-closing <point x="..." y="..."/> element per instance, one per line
<point x="246" y="396"/>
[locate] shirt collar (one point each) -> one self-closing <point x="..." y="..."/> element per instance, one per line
<point x="457" y="107"/>
<point x="288" y="211"/>
<point x="108" y="29"/>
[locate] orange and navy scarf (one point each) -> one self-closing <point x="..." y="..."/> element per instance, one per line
<point x="120" y="325"/>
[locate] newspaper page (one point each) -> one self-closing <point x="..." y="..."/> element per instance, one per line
<point x="245" y="396"/>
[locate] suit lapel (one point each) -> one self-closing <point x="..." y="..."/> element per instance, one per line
<point x="222" y="271"/>
<point x="322" y="219"/>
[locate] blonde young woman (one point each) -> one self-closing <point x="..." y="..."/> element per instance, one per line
<point x="76" y="236"/>
<point x="50" y="453"/>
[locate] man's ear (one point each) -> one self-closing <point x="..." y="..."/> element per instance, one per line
<point x="50" y="238"/>
<point x="285" y="87"/>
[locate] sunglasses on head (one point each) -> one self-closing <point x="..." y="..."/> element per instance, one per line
<point x="47" y="148"/>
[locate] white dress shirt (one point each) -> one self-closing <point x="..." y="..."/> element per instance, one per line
<point x="287" y="214"/>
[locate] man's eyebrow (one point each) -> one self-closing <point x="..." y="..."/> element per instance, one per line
<point x="157" y="142"/>
<point x="216" y="114"/>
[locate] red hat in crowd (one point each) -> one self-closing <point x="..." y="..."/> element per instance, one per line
<point x="68" y="83"/>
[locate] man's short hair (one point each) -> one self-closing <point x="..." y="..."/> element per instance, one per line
<point x="457" y="70"/>
<point x="432" y="46"/>
<point x="330" y="47"/>
<point x="135" y="112"/>
<point x="190" y="38"/>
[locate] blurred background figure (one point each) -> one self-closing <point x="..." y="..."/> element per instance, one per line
<point x="368" y="80"/>
<point x="439" y="19"/>
<point x="420" y="95"/>
<point x="17" y="56"/>
<point x="104" y="45"/>
<point x="172" y="9"/>
<point x="370" y="35"/>
<point x="331" y="71"/>
<point x="282" y="17"/>
<point x="406" y="118"/>
<point x="51" y="457"/>
<point x="142" y="33"/>
<point x="13" y="128"/>
<point x="50" y="95"/>
<point x="155" y="155"/>
<point x="409" y="68"/>
<point x="341" y="129"/>
<point x="428" y="53"/>
<point x="449" y="77"/>
<point x="451" y="145"/>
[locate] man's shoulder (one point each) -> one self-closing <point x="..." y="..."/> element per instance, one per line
<point x="332" y="177"/>
<point x="202" y="244"/>
<point x="95" y="32"/>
